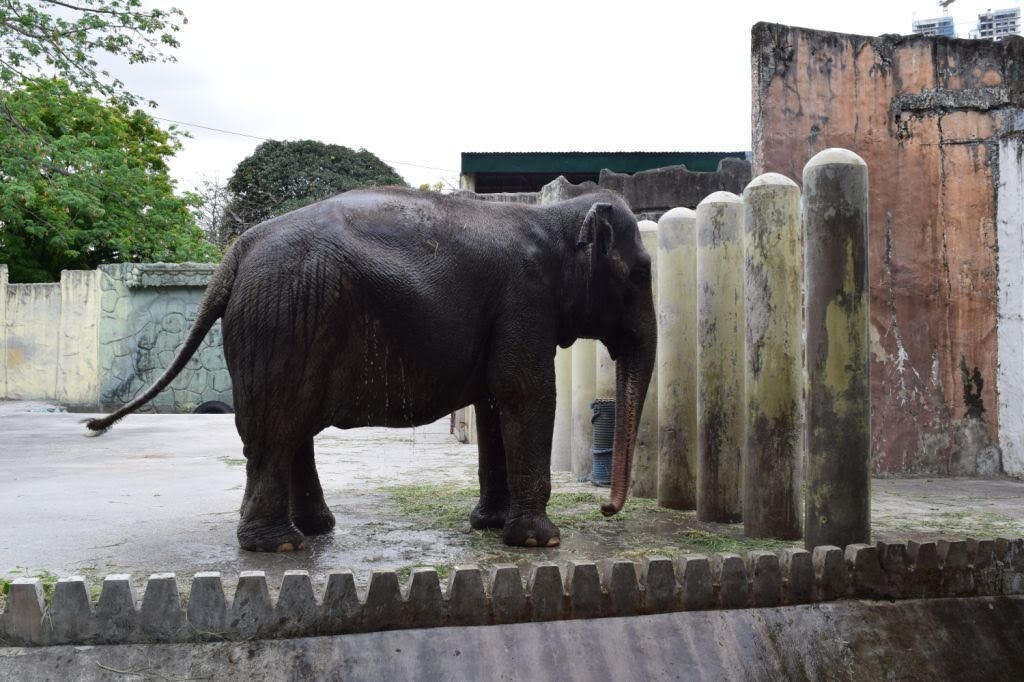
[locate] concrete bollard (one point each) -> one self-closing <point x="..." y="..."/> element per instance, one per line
<point x="835" y="222"/>
<point x="773" y="319"/>
<point x="116" y="619"/>
<point x="586" y="600"/>
<point x="252" y="615"/>
<point x="207" y="612"/>
<point x="623" y="588"/>
<point x="467" y="599"/>
<point x="731" y="575"/>
<point x="508" y="600"/>
<point x="341" y="608"/>
<point x="830" y="577"/>
<point x="296" y="606"/>
<point x="70" y="615"/>
<point x="698" y="589"/>
<point x="547" y="595"/>
<point x="383" y="609"/>
<point x="645" y="460"/>
<point x="424" y="603"/>
<point x="719" y="357"/>
<point x="583" y="387"/>
<point x="561" y="439"/>
<point x="797" y="576"/>
<point x="24" y="614"/>
<point x="659" y="585"/>
<point x="677" y="359"/>
<point x="161" y="617"/>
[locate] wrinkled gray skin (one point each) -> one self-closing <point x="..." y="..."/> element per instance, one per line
<point x="394" y="307"/>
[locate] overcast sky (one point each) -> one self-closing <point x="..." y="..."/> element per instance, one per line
<point x="418" y="83"/>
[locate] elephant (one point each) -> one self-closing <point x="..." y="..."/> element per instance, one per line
<point x="395" y="307"/>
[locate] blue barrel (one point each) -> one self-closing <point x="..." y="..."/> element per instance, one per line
<point x="604" y="435"/>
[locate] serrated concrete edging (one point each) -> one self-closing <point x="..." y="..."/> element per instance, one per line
<point x="473" y="596"/>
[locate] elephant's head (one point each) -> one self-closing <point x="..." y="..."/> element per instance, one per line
<point x="615" y="271"/>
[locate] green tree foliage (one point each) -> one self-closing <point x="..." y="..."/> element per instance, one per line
<point x="282" y="176"/>
<point x="84" y="183"/>
<point x="62" y="39"/>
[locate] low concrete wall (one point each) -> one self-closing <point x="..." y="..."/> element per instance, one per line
<point x="474" y="597"/>
<point x="98" y="338"/>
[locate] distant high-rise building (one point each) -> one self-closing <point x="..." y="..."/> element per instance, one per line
<point x="997" y="24"/>
<point x="939" y="26"/>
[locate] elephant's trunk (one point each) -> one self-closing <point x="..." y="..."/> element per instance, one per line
<point x="632" y="377"/>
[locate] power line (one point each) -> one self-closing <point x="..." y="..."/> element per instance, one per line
<point x="268" y="139"/>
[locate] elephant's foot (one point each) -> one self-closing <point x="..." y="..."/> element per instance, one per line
<point x="531" y="531"/>
<point x="488" y="515"/>
<point x="269" y="536"/>
<point x="315" y="523"/>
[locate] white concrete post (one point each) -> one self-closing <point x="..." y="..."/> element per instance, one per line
<point x="645" y="461"/>
<point x="719" y="357"/>
<point x="677" y="359"/>
<point x="561" y="440"/>
<point x="583" y="370"/>
<point x="773" y="282"/>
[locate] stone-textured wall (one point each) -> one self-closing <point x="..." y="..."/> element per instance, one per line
<point x="148" y="309"/>
<point x="927" y="115"/>
<point x="98" y="338"/>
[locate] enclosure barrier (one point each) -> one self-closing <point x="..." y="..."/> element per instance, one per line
<point x="645" y="461"/>
<point x="773" y="285"/>
<point x="473" y="596"/>
<point x="583" y="389"/>
<point x="719" y="357"/>
<point x="835" y="222"/>
<point x="677" y="362"/>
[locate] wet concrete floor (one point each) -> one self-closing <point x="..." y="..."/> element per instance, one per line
<point x="161" y="493"/>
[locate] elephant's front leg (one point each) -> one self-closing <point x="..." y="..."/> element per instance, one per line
<point x="492" y="509"/>
<point x="527" y="410"/>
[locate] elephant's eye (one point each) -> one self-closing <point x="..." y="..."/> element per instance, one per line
<point x="640" y="274"/>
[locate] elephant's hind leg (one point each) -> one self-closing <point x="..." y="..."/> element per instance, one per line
<point x="492" y="509"/>
<point x="266" y="525"/>
<point x="309" y="511"/>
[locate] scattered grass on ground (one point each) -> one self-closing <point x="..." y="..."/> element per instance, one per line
<point x="443" y="571"/>
<point x="646" y="529"/>
<point x="976" y="524"/>
<point x="232" y="461"/>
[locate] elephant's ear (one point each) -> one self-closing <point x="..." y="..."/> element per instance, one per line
<point x="597" y="229"/>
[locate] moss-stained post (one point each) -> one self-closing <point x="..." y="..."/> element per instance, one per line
<point x="719" y="357"/>
<point x="583" y="364"/>
<point x="773" y="285"/>
<point x="677" y="359"/>
<point x="835" y="219"/>
<point x="561" y="440"/>
<point x="645" y="461"/>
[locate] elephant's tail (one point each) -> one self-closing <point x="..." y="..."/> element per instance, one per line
<point x="215" y="301"/>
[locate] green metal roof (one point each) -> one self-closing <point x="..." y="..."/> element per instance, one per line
<point x="589" y="162"/>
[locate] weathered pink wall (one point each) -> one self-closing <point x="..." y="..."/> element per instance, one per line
<point x="926" y="115"/>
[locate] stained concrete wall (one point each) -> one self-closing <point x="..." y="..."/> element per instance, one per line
<point x="1010" y="237"/>
<point x="97" y="338"/>
<point x="926" y="114"/>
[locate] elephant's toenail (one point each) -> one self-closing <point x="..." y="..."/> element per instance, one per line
<point x="285" y="547"/>
<point x="553" y="542"/>
<point x="531" y="542"/>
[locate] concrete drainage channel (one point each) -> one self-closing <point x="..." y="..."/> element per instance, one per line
<point x="962" y="568"/>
